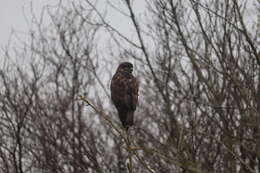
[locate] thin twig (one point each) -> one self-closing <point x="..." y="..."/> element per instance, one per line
<point x="131" y="151"/>
<point x="128" y="144"/>
<point x="102" y="114"/>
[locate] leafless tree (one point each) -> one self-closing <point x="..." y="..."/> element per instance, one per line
<point x="199" y="67"/>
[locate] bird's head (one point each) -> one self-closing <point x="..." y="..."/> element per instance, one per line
<point x="125" y="67"/>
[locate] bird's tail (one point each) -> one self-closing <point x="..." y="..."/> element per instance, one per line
<point x="127" y="119"/>
<point x="130" y="118"/>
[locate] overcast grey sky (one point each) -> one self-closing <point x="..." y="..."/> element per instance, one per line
<point x="13" y="12"/>
<point x="12" y="16"/>
<point x="11" y="19"/>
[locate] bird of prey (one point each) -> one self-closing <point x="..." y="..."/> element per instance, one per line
<point x="124" y="93"/>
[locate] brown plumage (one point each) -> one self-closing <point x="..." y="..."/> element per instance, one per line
<point x="124" y="93"/>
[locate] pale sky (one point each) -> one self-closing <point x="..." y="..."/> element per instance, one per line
<point x="13" y="13"/>
<point x="12" y="16"/>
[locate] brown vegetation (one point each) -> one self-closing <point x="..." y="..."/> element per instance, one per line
<point x="199" y="111"/>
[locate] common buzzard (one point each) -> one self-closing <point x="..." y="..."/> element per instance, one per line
<point x="124" y="93"/>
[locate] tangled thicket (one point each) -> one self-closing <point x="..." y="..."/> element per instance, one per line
<point x="198" y="63"/>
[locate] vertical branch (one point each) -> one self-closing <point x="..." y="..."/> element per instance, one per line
<point x="244" y="31"/>
<point x="128" y="145"/>
<point x="143" y="48"/>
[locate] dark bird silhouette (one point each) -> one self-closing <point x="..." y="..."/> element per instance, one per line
<point x="124" y="93"/>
